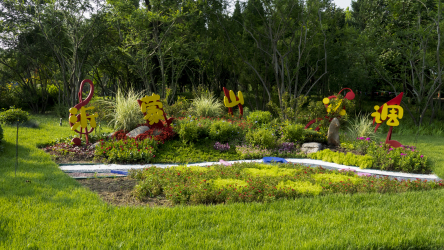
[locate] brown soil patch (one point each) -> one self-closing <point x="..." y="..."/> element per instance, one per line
<point x="119" y="191"/>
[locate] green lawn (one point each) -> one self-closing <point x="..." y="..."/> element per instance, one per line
<point x="42" y="208"/>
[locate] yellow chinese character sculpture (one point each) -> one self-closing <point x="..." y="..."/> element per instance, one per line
<point x="349" y="96"/>
<point x="231" y="100"/>
<point x="79" y="117"/>
<point x="153" y="112"/>
<point x="393" y="112"/>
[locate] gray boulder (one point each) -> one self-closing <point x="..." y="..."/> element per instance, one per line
<point x="137" y="131"/>
<point x="333" y="133"/>
<point x="311" y="147"/>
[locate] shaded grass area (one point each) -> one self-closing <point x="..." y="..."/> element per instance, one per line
<point x="44" y="208"/>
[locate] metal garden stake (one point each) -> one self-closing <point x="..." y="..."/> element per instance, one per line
<point x="16" y="149"/>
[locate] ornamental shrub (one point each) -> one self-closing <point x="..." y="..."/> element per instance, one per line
<point x="188" y="131"/>
<point x="12" y="115"/>
<point x="223" y="131"/>
<point x="262" y="137"/>
<point x="314" y="136"/>
<point x="259" y="117"/>
<point x="293" y="133"/>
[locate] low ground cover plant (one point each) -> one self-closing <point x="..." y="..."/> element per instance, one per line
<point x="128" y="150"/>
<point x="378" y="156"/>
<point x="254" y="182"/>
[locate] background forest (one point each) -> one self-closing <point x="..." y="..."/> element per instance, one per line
<point x="277" y="52"/>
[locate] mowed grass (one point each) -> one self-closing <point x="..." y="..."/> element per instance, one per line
<point x="42" y="208"/>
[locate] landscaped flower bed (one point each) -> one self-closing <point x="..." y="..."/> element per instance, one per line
<point x="254" y="182"/>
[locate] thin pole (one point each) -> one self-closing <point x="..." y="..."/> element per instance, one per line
<point x="16" y="149"/>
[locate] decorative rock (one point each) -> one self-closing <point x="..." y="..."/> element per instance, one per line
<point x="311" y="147"/>
<point x="137" y="131"/>
<point x="96" y="144"/>
<point x="333" y="133"/>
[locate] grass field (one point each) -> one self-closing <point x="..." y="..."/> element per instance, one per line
<point x="42" y="208"/>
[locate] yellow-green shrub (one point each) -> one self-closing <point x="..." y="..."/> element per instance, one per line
<point x="224" y="183"/>
<point x="272" y="171"/>
<point x="335" y="178"/>
<point x="349" y="159"/>
<point x="303" y="187"/>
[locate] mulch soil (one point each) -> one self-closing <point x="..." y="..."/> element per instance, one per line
<point x="119" y="191"/>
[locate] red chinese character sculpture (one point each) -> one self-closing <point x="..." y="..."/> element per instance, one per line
<point x="152" y="110"/>
<point x="381" y="114"/>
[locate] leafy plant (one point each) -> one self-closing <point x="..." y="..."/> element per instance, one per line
<point x="124" y="111"/>
<point x="314" y="136"/>
<point x="261" y="137"/>
<point x="12" y="115"/>
<point x="224" y="131"/>
<point x="258" y="118"/>
<point x="188" y="131"/>
<point x="206" y="105"/>
<point x="179" y="108"/>
<point x="293" y="133"/>
<point x="221" y="147"/>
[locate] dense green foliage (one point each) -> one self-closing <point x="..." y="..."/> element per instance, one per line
<point x="253" y="182"/>
<point x="293" y="133"/>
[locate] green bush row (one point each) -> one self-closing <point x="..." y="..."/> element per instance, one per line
<point x="349" y="159"/>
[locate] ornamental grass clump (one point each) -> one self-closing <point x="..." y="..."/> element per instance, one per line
<point x="206" y="105"/>
<point x="124" y="112"/>
<point x="254" y="182"/>
<point x="361" y="127"/>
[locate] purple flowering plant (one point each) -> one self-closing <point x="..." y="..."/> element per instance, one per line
<point x="221" y="147"/>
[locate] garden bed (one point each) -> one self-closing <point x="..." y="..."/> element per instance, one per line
<point x="119" y="191"/>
